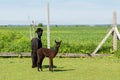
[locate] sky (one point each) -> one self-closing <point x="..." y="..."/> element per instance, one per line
<point x="62" y="12"/>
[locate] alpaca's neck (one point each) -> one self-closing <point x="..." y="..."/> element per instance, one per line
<point x="39" y="37"/>
<point x="56" y="50"/>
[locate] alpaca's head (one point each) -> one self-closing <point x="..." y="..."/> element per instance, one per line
<point x="58" y="43"/>
<point x="39" y="32"/>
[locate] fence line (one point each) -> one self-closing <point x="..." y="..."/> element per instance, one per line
<point x="60" y="55"/>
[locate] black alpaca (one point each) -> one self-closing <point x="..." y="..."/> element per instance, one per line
<point x="36" y="43"/>
<point x="44" y="52"/>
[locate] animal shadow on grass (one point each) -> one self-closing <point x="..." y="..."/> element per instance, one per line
<point x="47" y="66"/>
<point x="58" y="69"/>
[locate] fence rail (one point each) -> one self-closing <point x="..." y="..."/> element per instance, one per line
<point x="15" y="54"/>
<point x="61" y="55"/>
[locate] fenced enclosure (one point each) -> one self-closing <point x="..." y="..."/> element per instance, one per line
<point x="75" y="39"/>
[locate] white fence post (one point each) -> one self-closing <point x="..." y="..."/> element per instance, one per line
<point x="48" y="26"/>
<point x="114" y="33"/>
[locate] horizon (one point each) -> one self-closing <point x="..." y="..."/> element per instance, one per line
<point x="56" y="24"/>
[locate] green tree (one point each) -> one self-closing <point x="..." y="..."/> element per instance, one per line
<point x="40" y="25"/>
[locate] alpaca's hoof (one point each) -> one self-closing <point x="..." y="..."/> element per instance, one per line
<point x="33" y="66"/>
<point x="51" y="70"/>
<point x="40" y="70"/>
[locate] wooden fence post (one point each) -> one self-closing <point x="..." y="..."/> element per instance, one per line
<point x="48" y="26"/>
<point x="114" y="33"/>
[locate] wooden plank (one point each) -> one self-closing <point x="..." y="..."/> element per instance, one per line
<point x="15" y="54"/>
<point x="60" y="55"/>
<point x="8" y="54"/>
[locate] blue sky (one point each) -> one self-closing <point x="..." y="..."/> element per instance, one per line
<point x="63" y="12"/>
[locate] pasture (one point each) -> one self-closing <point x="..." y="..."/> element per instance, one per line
<point x="75" y="39"/>
<point x="99" y="68"/>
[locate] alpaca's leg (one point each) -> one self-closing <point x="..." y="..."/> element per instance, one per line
<point x="40" y="60"/>
<point x="51" y="65"/>
<point x="41" y="63"/>
<point x="34" y="59"/>
<point x="38" y="64"/>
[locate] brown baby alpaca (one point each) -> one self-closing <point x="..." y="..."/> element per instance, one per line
<point x="45" y="52"/>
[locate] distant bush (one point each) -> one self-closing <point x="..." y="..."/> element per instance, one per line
<point x="40" y="25"/>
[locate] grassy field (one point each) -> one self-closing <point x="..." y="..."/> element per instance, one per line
<point x="107" y="68"/>
<point x="75" y="39"/>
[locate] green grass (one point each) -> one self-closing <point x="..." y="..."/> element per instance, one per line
<point x="75" y="39"/>
<point x="107" y="68"/>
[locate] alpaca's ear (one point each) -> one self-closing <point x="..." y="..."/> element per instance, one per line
<point x="55" y="41"/>
<point x="60" y="41"/>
